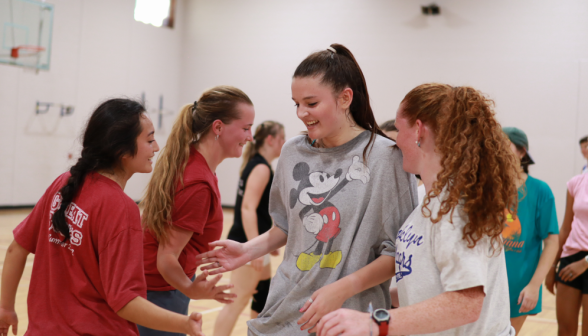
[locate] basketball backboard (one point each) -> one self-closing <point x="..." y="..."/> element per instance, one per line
<point x="25" y="28"/>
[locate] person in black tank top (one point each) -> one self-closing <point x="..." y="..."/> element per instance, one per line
<point x="251" y="220"/>
<point x="264" y="221"/>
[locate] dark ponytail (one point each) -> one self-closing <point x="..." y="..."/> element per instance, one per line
<point x="111" y="132"/>
<point x="340" y="70"/>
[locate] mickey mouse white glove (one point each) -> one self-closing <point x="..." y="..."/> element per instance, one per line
<point x="358" y="171"/>
<point x="313" y="223"/>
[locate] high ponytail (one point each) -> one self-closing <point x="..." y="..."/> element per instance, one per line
<point x="340" y="70"/>
<point x="193" y="122"/>
<point x="262" y="131"/>
<point x="111" y="132"/>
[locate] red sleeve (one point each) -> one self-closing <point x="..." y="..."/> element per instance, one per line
<point x="26" y="234"/>
<point x="192" y="208"/>
<point x="121" y="264"/>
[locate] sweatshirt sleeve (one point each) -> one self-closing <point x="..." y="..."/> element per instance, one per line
<point x="280" y="197"/>
<point x="400" y="195"/>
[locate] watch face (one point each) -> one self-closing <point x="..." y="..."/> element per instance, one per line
<point x="381" y="315"/>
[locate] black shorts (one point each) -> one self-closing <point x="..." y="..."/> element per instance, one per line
<point x="581" y="282"/>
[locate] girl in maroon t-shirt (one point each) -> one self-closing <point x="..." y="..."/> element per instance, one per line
<point x="86" y="235"/>
<point x="182" y="206"/>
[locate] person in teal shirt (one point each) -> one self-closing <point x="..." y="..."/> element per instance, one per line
<point x="524" y="234"/>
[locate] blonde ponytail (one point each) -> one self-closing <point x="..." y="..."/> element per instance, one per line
<point x="248" y="153"/>
<point x="262" y="131"/>
<point x="172" y="160"/>
<point x="193" y="122"/>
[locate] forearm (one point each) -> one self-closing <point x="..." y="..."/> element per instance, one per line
<point x="546" y="260"/>
<point x="368" y="276"/>
<point x="169" y="267"/>
<point x="442" y="312"/>
<point x="265" y="243"/>
<point x="566" y="225"/>
<point x="563" y="236"/>
<point x="14" y="263"/>
<point x="249" y="219"/>
<point x="146" y="314"/>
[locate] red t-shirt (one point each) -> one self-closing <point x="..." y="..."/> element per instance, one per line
<point x="197" y="208"/>
<point x="77" y="287"/>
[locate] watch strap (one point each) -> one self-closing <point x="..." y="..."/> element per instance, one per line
<point x="383" y="328"/>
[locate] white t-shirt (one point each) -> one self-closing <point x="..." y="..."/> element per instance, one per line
<point x="433" y="258"/>
<point x="422" y="193"/>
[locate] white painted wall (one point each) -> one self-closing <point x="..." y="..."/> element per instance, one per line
<point x="99" y="52"/>
<point x="530" y="56"/>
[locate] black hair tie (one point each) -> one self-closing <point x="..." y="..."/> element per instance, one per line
<point x="194" y="106"/>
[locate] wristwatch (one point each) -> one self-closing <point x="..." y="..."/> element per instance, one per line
<point x="382" y="318"/>
<point x="586" y="258"/>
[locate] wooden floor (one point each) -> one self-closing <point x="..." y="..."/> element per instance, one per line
<point x="544" y="324"/>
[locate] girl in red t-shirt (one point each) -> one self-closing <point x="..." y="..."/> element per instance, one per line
<point x="182" y="206"/>
<point x="86" y="235"/>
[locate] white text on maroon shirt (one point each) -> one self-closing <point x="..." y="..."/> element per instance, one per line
<point x="74" y="215"/>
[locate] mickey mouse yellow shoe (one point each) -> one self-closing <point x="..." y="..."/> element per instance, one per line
<point x="306" y="261"/>
<point x="331" y="260"/>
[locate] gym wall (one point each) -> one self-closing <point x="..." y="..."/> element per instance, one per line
<point x="99" y="52"/>
<point x="531" y="57"/>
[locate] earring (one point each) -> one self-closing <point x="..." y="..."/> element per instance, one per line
<point x="216" y="138"/>
<point x="418" y="143"/>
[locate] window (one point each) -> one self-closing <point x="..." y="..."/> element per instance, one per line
<point x="159" y="13"/>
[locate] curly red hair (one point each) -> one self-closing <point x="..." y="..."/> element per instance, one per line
<point x="478" y="168"/>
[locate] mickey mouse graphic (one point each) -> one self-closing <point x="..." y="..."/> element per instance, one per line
<point x="319" y="216"/>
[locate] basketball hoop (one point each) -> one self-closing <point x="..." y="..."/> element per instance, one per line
<point x="25" y="50"/>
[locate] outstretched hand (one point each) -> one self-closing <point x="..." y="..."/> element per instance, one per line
<point x="207" y="289"/>
<point x="231" y="255"/>
<point x="8" y="318"/>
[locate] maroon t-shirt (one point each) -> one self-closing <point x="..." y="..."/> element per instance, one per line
<point x="197" y="208"/>
<point x="78" y="286"/>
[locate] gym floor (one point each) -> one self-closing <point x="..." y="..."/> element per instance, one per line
<point x="544" y="324"/>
